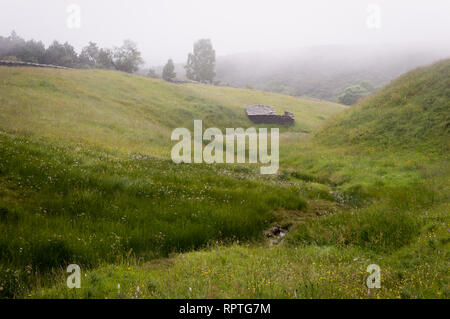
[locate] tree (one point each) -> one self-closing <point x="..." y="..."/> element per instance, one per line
<point x="27" y="51"/>
<point x="352" y="94"/>
<point x="32" y="51"/>
<point x="61" y="54"/>
<point x="127" y="58"/>
<point x="89" y="55"/>
<point x="367" y="85"/>
<point x="201" y="63"/>
<point x="105" y="59"/>
<point x="168" y="73"/>
<point x="93" y="57"/>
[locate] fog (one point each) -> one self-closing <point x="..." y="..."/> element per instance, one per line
<point x="167" y="29"/>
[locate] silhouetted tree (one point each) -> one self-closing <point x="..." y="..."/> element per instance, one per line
<point x="368" y="86"/>
<point x="89" y="55"/>
<point x="61" y="54"/>
<point x="27" y="51"/>
<point x="201" y="63"/>
<point x="105" y="59"/>
<point x="168" y="73"/>
<point x="33" y="51"/>
<point x="127" y="58"/>
<point x="352" y="94"/>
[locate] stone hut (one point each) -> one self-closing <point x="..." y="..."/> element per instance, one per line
<point x="263" y="114"/>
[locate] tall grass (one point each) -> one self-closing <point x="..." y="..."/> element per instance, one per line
<point x="60" y="206"/>
<point x="85" y="178"/>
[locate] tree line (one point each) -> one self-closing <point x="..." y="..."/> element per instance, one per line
<point x="125" y="58"/>
<point x="200" y="64"/>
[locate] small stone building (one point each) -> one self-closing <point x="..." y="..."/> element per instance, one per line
<point x="263" y="114"/>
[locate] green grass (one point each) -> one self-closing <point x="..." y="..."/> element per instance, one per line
<point x="60" y="206"/>
<point x="411" y="113"/>
<point x="128" y="113"/>
<point x="85" y="178"/>
<point x="288" y="271"/>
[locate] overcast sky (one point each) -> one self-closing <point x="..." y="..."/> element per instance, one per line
<point x="168" y="28"/>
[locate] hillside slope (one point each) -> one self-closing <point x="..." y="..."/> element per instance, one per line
<point x="85" y="177"/>
<point x="73" y="190"/>
<point x="323" y="71"/>
<point x="413" y="112"/>
<point x="127" y="112"/>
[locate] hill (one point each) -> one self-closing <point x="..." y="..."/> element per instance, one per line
<point x="84" y="178"/>
<point x="323" y="72"/>
<point x="412" y="112"/>
<point x="85" y="175"/>
<point x="128" y="112"/>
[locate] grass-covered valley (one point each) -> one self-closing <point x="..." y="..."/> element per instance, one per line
<point x="86" y="178"/>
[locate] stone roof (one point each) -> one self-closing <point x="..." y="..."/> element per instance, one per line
<point x="259" y="110"/>
<point x="264" y="114"/>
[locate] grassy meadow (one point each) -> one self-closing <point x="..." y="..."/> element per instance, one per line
<point x="86" y="178"/>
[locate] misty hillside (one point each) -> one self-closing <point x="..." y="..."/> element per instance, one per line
<point x="341" y="202"/>
<point x="86" y="174"/>
<point x="110" y="188"/>
<point x="131" y="112"/>
<point x="321" y="72"/>
<point x="85" y="178"/>
<point x="412" y="112"/>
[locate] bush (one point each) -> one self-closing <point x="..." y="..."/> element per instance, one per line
<point x="352" y="94"/>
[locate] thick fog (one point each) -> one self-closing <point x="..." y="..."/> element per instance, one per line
<point x="167" y="29"/>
